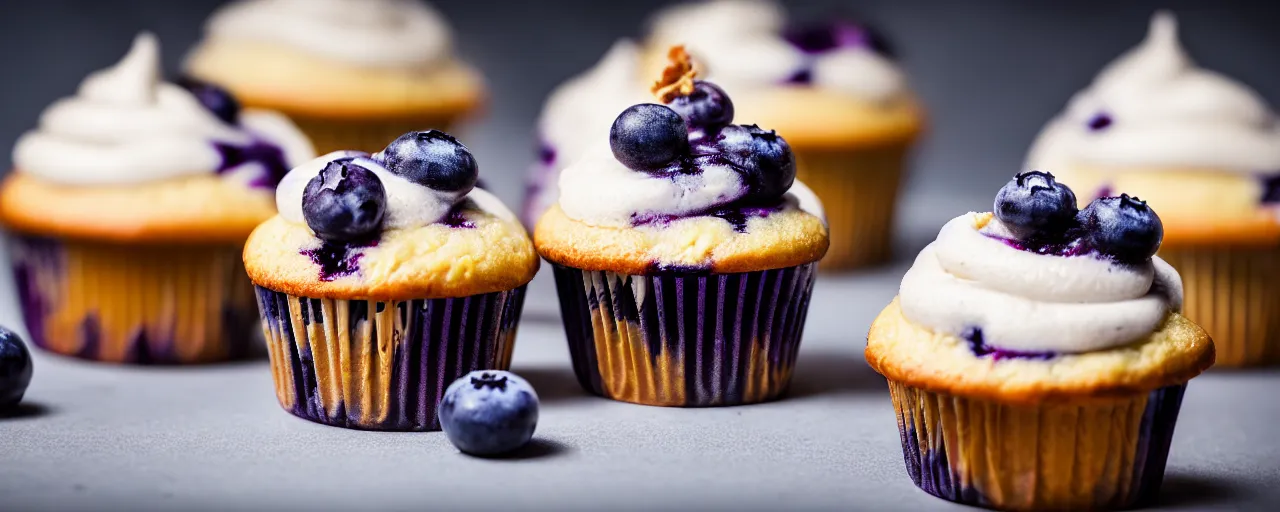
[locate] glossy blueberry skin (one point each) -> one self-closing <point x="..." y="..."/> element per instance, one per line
<point x="15" y="368"/>
<point x="765" y="160"/>
<point x="1034" y="205"/>
<point x="344" y="202"/>
<point x="648" y="136"/>
<point x="489" y="412"/>
<point x="433" y="159"/>
<point x="708" y="108"/>
<point x="216" y="99"/>
<point x="1124" y="228"/>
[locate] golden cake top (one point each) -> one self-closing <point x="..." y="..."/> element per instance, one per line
<point x="404" y="223"/>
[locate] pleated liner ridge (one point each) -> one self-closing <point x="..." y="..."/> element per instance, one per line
<point x="689" y="341"/>
<point x="1108" y="455"/>
<point x="1234" y="294"/>
<point x="143" y="304"/>
<point x="382" y="365"/>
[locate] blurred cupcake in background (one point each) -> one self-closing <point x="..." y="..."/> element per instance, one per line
<point x="384" y="278"/>
<point x="832" y="90"/>
<point x="684" y="252"/>
<point x="1202" y="149"/>
<point x="352" y="74"/>
<point x="128" y="207"/>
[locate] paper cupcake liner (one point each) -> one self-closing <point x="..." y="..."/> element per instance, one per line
<point x="135" y="304"/>
<point x="1104" y="455"/>
<point x="686" y="341"/>
<point x="382" y="365"/>
<point x="1234" y="294"/>
<point x="371" y="135"/>
<point x="859" y="192"/>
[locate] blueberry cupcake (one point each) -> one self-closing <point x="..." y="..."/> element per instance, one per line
<point x="579" y="112"/>
<point x="352" y="74"/>
<point x="832" y="89"/>
<point x="1205" y="151"/>
<point x="684" y="253"/>
<point x="1036" y="357"/>
<point x="384" y="278"/>
<point x="127" y="210"/>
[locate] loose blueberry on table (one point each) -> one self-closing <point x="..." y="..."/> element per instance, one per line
<point x="15" y="368"/>
<point x="489" y="412"/>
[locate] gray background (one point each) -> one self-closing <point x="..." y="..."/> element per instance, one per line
<point x="991" y="72"/>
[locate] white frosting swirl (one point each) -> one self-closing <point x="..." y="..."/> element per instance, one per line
<point x="376" y="33"/>
<point x="409" y="205"/>
<point x="580" y="112"/>
<point x="1029" y="302"/>
<point x="740" y="42"/>
<point x="1164" y="112"/>
<point x="599" y="190"/>
<point x="126" y="126"/>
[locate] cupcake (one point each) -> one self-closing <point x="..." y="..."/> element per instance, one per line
<point x="352" y="74"/>
<point x="127" y="210"/>
<point x="384" y="278"/>
<point x="684" y="253"/>
<point x="577" y="113"/>
<point x="832" y="90"/>
<point x="1204" y="151"/>
<point x="1036" y="357"/>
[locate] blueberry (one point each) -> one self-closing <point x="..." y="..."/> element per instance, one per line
<point x="648" y="136"/>
<point x="216" y="99"/>
<point x="707" y="108"/>
<point x="833" y="35"/>
<point x="489" y="412"/>
<point x="344" y="202"/>
<point x="1124" y="228"/>
<point x="765" y="159"/>
<point x="15" y="368"/>
<point x="1034" y="205"/>
<point x="433" y="159"/>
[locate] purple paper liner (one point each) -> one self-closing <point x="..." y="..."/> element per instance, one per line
<point x="685" y="340"/>
<point x="144" y="304"/>
<point x="1136" y="484"/>
<point x="382" y="365"/>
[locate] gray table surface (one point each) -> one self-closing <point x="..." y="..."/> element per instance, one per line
<point x="96" y="437"/>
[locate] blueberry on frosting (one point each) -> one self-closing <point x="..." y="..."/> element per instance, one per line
<point x="433" y="159"/>
<point x="1124" y="228"/>
<point x="648" y="137"/>
<point x="763" y="158"/>
<point x="696" y="131"/>
<point x="706" y="108"/>
<point x="1034" y="205"/>
<point x="216" y="99"/>
<point x="344" y="202"/>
